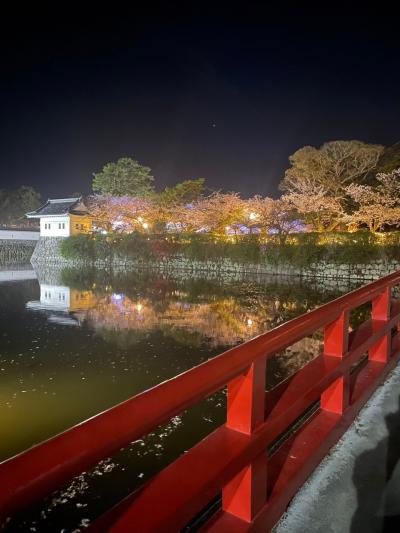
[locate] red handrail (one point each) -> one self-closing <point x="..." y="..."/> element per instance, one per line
<point x="235" y="454"/>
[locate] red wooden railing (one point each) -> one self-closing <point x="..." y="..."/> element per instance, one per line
<point x="256" y="485"/>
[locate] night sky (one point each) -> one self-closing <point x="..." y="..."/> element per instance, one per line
<point x="226" y="95"/>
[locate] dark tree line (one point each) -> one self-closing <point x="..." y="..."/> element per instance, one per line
<point x="14" y="204"/>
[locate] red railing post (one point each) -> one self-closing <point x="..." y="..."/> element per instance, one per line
<point x="336" y="339"/>
<point x="381" y="312"/>
<point x="246" y="493"/>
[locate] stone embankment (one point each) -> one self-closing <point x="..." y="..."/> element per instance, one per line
<point x="13" y="252"/>
<point x="47" y="252"/>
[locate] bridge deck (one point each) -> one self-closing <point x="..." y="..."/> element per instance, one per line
<point x="357" y="486"/>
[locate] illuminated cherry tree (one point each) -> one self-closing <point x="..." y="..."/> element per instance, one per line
<point x="120" y="213"/>
<point x="333" y="166"/>
<point x="272" y="217"/>
<point x="378" y="205"/>
<point x="219" y="213"/>
<point x="314" y="203"/>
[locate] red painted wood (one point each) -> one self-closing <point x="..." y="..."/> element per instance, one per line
<point x="362" y="380"/>
<point x="359" y="339"/>
<point x="381" y="305"/>
<point x="195" y="478"/>
<point x="287" y="411"/>
<point x="246" y="398"/>
<point x="335" y="398"/>
<point x="336" y="335"/>
<point x="288" y="471"/>
<point x="226" y="522"/>
<point x="256" y="442"/>
<point x="246" y="493"/>
<point x="232" y="459"/>
<point x="380" y="350"/>
<point x="303" y="389"/>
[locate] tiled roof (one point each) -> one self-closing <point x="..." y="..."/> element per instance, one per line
<point x="55" y="207"/>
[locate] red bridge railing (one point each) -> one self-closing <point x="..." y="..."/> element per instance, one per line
<point x="256" y="485"/>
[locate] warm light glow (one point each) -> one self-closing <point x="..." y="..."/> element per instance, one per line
<point x="139" y="307"/>
<point x="249" y="322"/>
<point x="140" y="219"/>
<point x="116" y="297"/>
<point x="253" y="216"/>
<point x="145" y="225"/>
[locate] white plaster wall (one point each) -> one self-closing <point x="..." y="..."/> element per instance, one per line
<point x="55" y="296"/>
<point x="11" y="235"/>
<point x="55" y="229"/>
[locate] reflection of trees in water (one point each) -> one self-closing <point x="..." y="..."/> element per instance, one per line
<point x="195" y="312"/>
<point x="293" y="358"/>
<point x="208" y="311"/>
<point x="220" y="323"/>
<point x="157" y="286"/>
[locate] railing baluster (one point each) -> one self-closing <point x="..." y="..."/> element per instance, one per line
<point x="336" y="340"/>
<point x="381" y="311"/>
<point x="336" y="336"/>
<point x="246" y="398"/>
<point x="381" y="305"/>
<point x="246" y="493"/>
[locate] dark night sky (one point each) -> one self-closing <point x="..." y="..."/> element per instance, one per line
<point x="226" y="95"/>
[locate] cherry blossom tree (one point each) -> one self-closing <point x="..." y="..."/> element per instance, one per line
<point x="272" y="216"/>
<point x="314" y="203"/>
<point x="333" y="166"/>
<point x="218" y="213"/>
<point x="378" y="205"/>
<point x="120" y="213"/>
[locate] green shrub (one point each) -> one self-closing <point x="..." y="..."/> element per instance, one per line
<point x="134" y="245"/>
<point x="78" y="247"/>
<point x="201" y="247"/>
<point x="300" y="250"/>
<point x="104" y="246"/>
<point x="247" y="250"/>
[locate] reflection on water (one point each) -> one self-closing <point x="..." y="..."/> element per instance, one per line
<point x="74" y="343"/>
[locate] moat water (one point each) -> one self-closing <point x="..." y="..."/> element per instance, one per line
<point x="74" y="343"/>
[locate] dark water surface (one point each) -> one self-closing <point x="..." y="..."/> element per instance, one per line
<point x="75" y="343"/>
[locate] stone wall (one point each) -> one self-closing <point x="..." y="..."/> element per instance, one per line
<point x="47" y="252"/>
<point x="54" y="275"/>
<point x="12" y="252"/>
